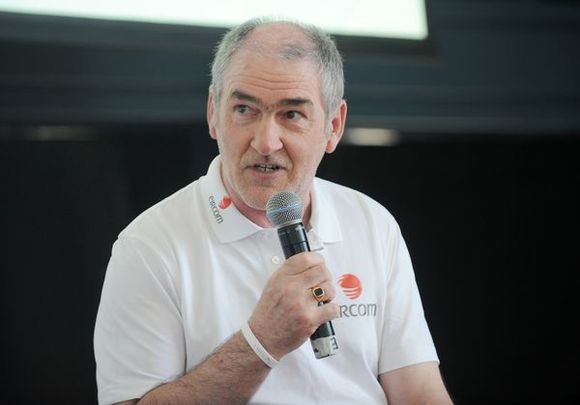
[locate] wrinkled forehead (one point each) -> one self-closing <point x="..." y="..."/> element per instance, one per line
<point x="277" y="51"/>
<point x="275" y="57"/>
<point x="271" y="76"/>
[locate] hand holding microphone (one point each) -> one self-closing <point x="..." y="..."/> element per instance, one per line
<point x="291" y="307"/>
<point x="284" y="210"/>
<point x="287" y="313"/>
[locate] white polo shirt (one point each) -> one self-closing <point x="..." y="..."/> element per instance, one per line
<point x="187" y="273"/>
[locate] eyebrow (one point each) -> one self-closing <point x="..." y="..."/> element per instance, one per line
<point x="294" y="101"/>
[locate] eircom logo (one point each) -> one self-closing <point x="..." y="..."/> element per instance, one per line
<point x="225" y="202"/>
<point x="351" y="285"/>
<point x="352" y="288"/>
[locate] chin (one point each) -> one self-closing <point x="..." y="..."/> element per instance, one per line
<point x="259" y="198"/>
<point x="257" y="202"/>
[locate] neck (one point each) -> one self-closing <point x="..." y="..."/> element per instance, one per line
<point x="258" y="216"/>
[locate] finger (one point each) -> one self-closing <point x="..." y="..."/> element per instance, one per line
<point x="314" y="276"/>
<point x="302" y="262"/>
<point x="325" y="313"/>
<point x="329" y="292"/>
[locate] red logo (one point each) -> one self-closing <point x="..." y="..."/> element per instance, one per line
<point x="225" y="202"/>
<point x="351" y="285"/>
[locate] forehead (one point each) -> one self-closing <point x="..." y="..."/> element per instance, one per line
<point x="260" y="66"/>
<point x="270" y="77"/>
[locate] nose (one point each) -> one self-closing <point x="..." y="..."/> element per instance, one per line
<point x="267" y="139"/>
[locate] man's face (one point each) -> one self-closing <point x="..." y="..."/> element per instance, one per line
<point x="271" y="127"/>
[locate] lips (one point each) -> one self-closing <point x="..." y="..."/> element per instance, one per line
<point x="263" y="167"/>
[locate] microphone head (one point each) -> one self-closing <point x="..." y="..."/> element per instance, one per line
<point x="284" y="208"/>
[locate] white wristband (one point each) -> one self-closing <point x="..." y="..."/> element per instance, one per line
<point x="257" y="346"/>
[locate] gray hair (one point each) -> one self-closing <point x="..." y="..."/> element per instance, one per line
<point x="323" y="53"/>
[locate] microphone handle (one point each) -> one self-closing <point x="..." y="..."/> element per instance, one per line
<point x="294" y="240"/>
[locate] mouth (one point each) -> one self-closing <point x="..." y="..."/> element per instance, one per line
<point x="262" y="167"/>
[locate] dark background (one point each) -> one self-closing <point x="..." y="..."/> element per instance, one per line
<point x="99" y="120"/>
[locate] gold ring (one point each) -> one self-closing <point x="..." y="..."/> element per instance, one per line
<point x="319" y="294"/>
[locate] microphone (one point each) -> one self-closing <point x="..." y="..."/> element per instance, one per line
<point x="284" y="211"/>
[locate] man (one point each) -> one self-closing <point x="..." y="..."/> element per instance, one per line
<point x="193" y="271"/>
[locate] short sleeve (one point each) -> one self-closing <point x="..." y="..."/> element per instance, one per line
<point x="406" y="338"/>
<point x="139" y="339"/>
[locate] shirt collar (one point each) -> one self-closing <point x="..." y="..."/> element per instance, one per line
<point x="226" y="221"/>
<point x="230" y="225"/>
<point x="323" y="219"/>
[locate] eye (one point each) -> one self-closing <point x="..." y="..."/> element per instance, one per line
<point x="293" y="115"/>
<point x="242" y="109"/>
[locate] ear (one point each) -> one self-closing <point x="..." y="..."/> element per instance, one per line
<point x="210" y="116"/>
<point x="337" y="124"/>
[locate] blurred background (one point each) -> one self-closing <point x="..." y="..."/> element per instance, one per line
<point x="469" y="135"/>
